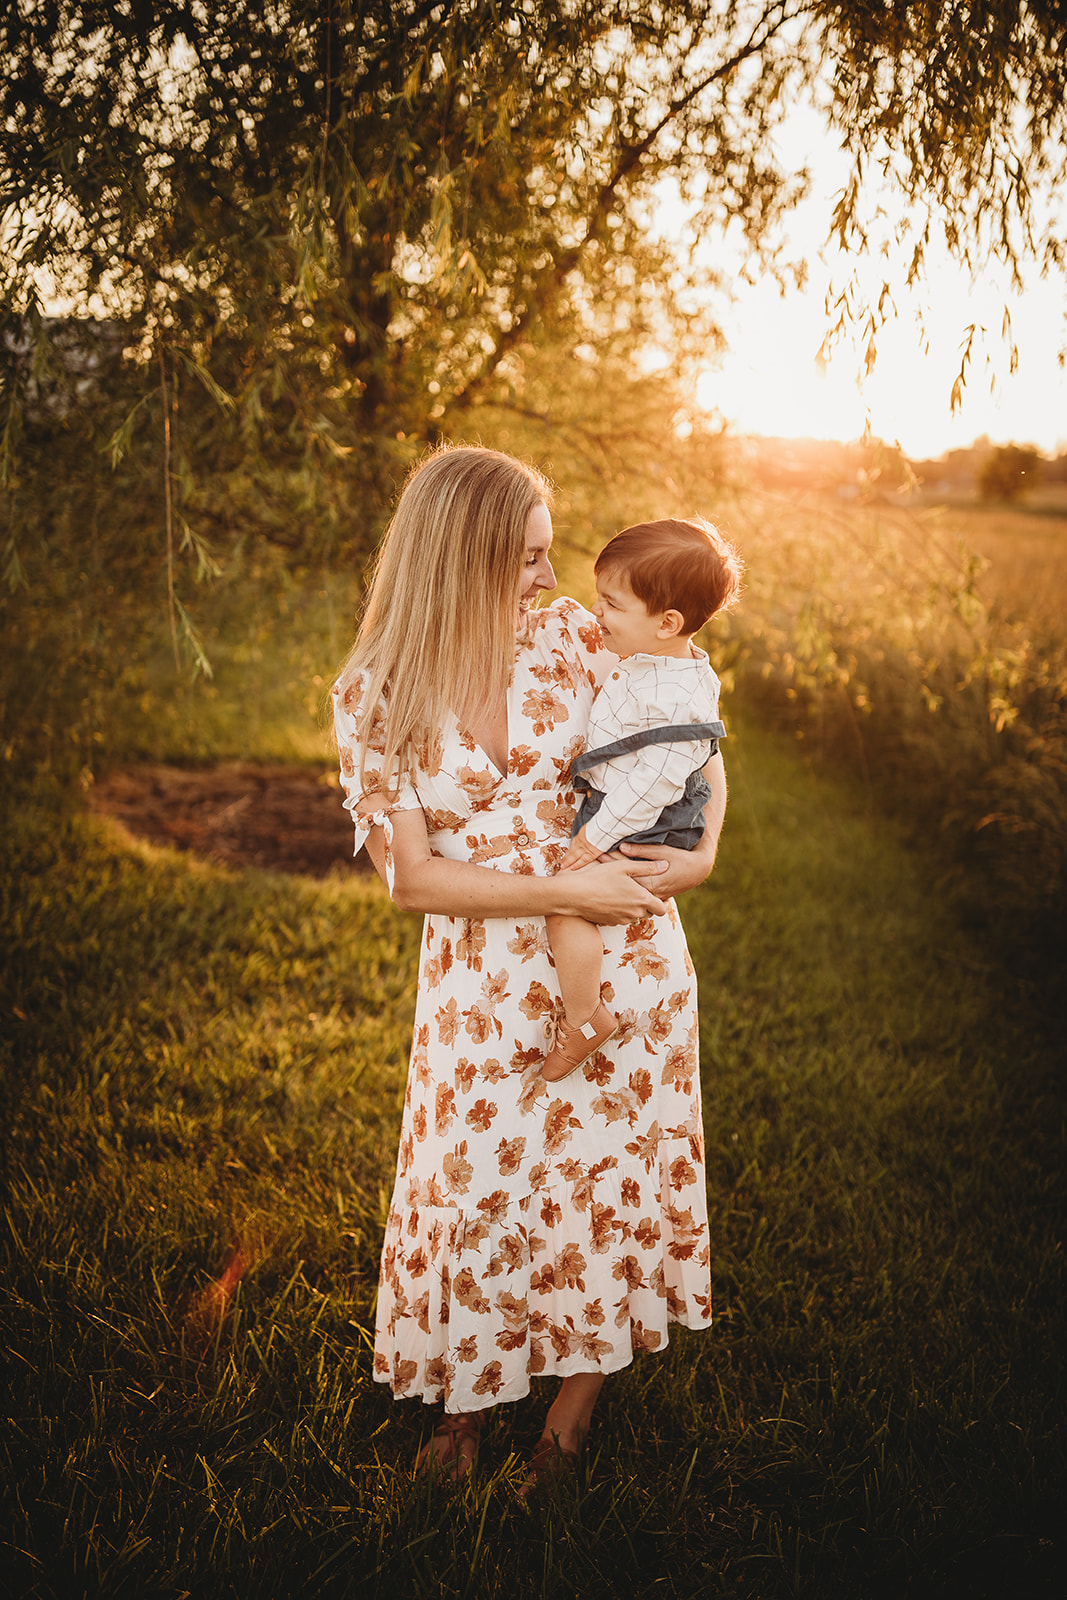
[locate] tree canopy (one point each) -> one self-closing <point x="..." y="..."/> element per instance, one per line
<point x="354" y="220"/>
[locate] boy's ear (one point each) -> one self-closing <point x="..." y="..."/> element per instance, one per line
<point x="671" y="624"/>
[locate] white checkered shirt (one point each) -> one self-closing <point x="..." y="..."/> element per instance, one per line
<point x="647" y="692"/>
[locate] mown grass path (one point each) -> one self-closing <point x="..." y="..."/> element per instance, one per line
<point x="202" y="1079"/>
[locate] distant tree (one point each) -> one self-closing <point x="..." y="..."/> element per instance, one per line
<point x="1008" y="472"/>
<point x="354" y="220"/>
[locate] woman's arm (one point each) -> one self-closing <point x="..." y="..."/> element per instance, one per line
<point x="608" y="892"/>
<point x="687" y="868"/>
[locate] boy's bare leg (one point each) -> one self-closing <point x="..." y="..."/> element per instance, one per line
<point x="578" y="950"/>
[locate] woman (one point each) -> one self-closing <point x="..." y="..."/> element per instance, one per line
<point x="531" y="1231"/>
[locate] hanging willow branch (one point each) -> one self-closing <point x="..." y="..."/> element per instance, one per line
<point x="168" y="506"/>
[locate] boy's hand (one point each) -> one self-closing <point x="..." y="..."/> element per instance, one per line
<point x="579" y="853"/>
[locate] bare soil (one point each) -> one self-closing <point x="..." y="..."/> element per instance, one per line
<point x="286" y="819"/>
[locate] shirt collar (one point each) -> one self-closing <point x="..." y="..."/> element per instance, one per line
<point x="641" y="659"/>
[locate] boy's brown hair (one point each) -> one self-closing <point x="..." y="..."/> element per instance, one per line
<point x="676" y="565"/>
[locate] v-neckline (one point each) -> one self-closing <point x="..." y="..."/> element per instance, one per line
<point x="501" y="773"/>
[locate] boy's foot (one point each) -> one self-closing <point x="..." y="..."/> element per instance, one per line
<point x="569" y="1047"/>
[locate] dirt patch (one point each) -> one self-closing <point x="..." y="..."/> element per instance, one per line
<point x="287" y="819"/>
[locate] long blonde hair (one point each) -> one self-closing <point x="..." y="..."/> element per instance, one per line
<point x="437" y="634"/>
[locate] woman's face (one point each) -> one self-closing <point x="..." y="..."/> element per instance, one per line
<point x="537" y="571"/>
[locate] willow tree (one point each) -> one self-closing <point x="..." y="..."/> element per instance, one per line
<point x="355" y="220"/>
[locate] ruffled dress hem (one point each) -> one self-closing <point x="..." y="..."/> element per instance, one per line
<point x="577" y="1276"/>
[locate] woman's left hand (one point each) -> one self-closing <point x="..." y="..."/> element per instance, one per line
<point x="685" y="868"/>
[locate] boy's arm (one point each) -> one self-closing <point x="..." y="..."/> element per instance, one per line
<point x="635" y="799"/>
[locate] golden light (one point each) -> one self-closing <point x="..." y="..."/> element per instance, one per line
<point x="771" y="381"/>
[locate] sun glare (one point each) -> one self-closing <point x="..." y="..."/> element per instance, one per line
<point x="771" y="381"/>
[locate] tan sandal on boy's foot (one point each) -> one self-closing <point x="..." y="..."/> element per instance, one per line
<point x="569" y="1047"/>
<point x="549" y="1463"/>
<point x="449" y="1454"/>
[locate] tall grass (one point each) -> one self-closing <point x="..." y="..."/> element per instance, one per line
<point x="900" y="643"/>
<point x="1024" y="547"/>
<point x="202" y="1080"/>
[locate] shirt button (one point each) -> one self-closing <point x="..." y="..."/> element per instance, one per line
<point x="522" y="838"/>
<point x="515" y="800"/>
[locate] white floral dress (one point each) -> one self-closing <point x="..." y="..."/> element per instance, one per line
<point x="534" y="1228"/>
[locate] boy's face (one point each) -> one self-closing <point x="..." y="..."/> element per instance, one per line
<point x="627" y="627"/>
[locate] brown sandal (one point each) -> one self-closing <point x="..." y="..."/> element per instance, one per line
<point x="568" y="1047"/>
<point x="549" y="1463"/>
<point x="451" y="1462"/>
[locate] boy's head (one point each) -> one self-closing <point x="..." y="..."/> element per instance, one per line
<point x="674" y="566"/>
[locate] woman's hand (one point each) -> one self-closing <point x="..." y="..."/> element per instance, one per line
<point x="610" y="891"/>
<point x="613" y="891"/>
<point x="676" y="870"/>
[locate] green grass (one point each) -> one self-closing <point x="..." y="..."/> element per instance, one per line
<point x="201" y="1065"/>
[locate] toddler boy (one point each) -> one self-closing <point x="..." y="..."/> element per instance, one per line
<point x="653" y="726"/>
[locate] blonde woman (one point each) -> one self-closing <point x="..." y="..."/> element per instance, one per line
<point x="535" y="1229"/>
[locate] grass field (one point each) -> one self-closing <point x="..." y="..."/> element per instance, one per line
<point x="1025" y="545"/>
<point x="202" y="1081"/>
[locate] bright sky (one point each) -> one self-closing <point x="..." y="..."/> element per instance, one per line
<point x="770" y="382"/>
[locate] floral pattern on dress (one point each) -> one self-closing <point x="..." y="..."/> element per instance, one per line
<point x="534" y="1228"/>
